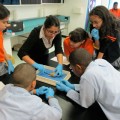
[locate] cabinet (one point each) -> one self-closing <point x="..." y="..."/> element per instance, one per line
<point x="27" y="2"/>
<point x="52" y="1"/>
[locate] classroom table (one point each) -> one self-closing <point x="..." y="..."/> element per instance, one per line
<point x="71" y="110"/>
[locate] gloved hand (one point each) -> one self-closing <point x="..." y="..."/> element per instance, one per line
<point x="41" y="90"/>
<point x="40" y="67"/>
<point x="58" y="70"/>
<point x="60" y="86"/>
<point x="95" y="34"/>
<point x="10" y="67"/>
<point x="68" y="84"/>
<point x="49" y="93"/>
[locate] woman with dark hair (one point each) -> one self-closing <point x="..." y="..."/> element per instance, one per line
<point x="78" y="38"/>
<point x="4" y="70"/>
<point x="35" y="50"/>
<point x="107" y="30"/>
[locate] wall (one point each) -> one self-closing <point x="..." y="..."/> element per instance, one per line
<point x="105" y="3"/>
<point x="31" y="11"/>
<point x="76" y="19"/>
<point x="22" y="12"/>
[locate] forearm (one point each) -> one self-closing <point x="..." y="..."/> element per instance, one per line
<point x="60" y="58"/>
<point x="27" y="59"/>
<point x="53" y="102"/>
<point x="97" y="44"/>
<point x="74" y="95"/>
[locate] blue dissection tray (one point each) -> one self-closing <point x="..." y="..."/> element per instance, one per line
<point x="47" y="72"/>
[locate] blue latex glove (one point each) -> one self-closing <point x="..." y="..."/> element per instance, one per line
<point x="10" y="67"/>
<point x="39" y="67"/>
<point x="95" y="34"/>
<point x="58" y="70"/>
<point x="49" y="93"/>
<point x="68" y="84"/>
<point x="41" y="90"/>
<point x="60" y="86"/>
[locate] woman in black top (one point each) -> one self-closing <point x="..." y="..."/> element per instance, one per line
<point x="107" y="31"/>
<point x="34" y="50"/>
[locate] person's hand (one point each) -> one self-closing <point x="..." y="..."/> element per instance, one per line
<point x="10" y="67"/>
<point x="49" y="93"/>
<point x="39" y="67"/>
<point x="68" y="84"/>
<point x="58" y="70"/>
<point x="41" y="90"/>
<point x="95" y="34"/>
<point x="62" y="87"/>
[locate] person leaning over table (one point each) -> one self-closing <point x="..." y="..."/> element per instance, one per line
<point x="39" y="41"/>
<point x="78" y="38"/>
<point x="99" y="81"/>
<point x="106" y="29"/>
<point x="18" y="102"/>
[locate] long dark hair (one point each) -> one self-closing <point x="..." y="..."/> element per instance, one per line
<point x="4" y="12"/>
<point x="111" y="25"/>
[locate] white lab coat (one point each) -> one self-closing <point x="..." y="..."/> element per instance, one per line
<point x="18" y="104"/>
<point x="100" y="82"/>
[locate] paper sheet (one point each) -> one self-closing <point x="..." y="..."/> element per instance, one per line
<point x="65" y="61"/>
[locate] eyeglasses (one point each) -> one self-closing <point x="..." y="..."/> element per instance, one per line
<point x="53" y="32"/>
